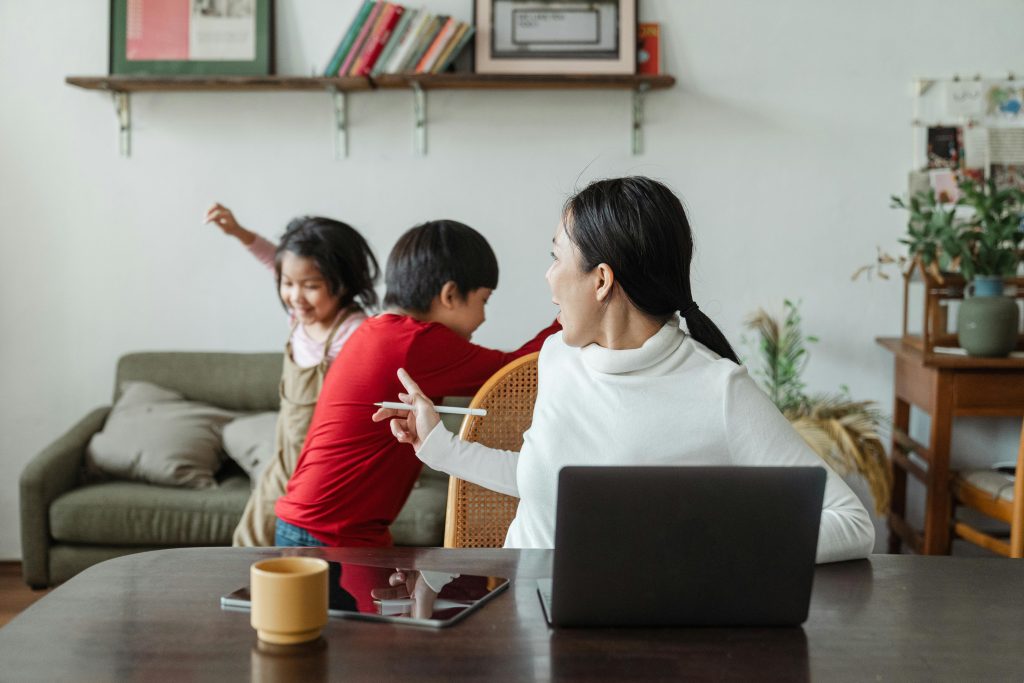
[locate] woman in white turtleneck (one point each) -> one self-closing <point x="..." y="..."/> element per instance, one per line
<point x="623" y="384"/>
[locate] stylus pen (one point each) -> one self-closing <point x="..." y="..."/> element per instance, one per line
<point x="440" y="409"/>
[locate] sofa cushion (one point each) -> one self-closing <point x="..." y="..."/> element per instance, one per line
<point x="250" y="440"/>
<point x="156" y="436"/>
<point x="132" y="513"/>
<point x="421" y="521"/>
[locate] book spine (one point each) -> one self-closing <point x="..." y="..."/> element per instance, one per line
<point x="434" y="51"/>
<point x="376" y="46"/>
<point x="429" y="33"/>
<point x="454" y="54"/>
<point x="385" y="9"/>
<point x="408" y="41"/>
<point x="393" y="42"/>
<point x="442" y="58"/>
<point x="357" y="46"/>
<point x="346" y="42"/>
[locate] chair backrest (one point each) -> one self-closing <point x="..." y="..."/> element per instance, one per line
<point x="477" y="517"/>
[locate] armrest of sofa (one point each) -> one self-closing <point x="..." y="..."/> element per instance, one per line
<point x="51" y="473"/>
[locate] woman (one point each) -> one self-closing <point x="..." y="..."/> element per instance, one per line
<point x="623" y="384"/>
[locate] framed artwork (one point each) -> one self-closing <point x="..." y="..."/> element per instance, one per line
<point x="555" y="36"/>
<point x="197" y="37"/>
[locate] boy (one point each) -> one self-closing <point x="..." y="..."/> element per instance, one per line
<point x="352" y="477"/>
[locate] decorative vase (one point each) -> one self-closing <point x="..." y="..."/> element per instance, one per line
<point x="987" y="322"/>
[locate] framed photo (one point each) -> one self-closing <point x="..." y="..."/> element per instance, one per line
<point x="555" y="36"/>
<point x="197" y="37"/>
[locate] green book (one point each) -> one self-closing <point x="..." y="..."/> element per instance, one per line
<point x="396" y="38"/>
<point x="454" y="54"/>
<point x="430" y="32"/>
<point x="346" y="42"/>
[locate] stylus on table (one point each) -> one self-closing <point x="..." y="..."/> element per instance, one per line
<point x="441" y="409"/>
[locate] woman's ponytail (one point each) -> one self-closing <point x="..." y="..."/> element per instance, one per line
<point x="707" y="333"/>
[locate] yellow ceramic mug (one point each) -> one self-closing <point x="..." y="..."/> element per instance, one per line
<point x="289" y="599"/>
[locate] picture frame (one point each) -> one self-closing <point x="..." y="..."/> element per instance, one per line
<point x="555" y="36"/>
<point x="191" y="37"/>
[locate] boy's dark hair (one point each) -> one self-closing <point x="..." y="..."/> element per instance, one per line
<point x="341" y="255"/>
<point x="433" y="253"/>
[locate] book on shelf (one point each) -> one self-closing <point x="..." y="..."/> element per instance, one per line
<point x="375" y="44"/>
<point x="396" y="37"/>
<point x="408" y="42"/>
<point x="334" y="65"/>
<point x="433" y="51"/>
<point x="648" y="49"/>
<point x="449" y="47"/>
<point x="360" y="41"/>
<point x="390" y="38"/>
<point x="426" y="39"/>
<point x="456" y="50"/>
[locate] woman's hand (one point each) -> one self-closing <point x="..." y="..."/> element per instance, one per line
<point x="222" y="217"/>
<point x="413" y="425"/>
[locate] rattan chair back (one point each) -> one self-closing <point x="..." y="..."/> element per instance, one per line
<point x="477" y="517"/>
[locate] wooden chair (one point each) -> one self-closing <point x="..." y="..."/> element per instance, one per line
<point x="477" y="517"/>
<point x="996" y="495"/>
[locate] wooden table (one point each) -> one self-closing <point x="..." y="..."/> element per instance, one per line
<point x="944" y="387"/>
<point x="155" y="616"/>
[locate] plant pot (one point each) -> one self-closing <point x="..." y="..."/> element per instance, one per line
<point x="987" y="322"/>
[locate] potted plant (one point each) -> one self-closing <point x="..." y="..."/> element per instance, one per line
<point x="979" y="236"/>
<point x="842" y="431"/>
<point x="989" y="251"/>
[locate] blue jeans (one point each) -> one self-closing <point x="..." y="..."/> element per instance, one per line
<point x="290" y="536"/>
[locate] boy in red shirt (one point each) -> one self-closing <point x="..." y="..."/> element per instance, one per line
<point x="352" y="477"/>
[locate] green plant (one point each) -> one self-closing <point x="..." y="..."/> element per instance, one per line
<point x="984" y="241"/>
<point x="991" y="238"/>
<point x="843" y="432"/>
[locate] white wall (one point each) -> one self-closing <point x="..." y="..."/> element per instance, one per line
<point x="785" y="135"/>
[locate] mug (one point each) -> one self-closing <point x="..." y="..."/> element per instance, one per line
<point x="289" y="599"/>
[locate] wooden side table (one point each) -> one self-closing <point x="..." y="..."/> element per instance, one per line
<point x="944" y="387"/>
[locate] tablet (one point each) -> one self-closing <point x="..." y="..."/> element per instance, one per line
<point x="421" y="598"/>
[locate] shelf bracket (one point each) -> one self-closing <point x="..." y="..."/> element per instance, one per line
<point x="340" y="123"/>
<point x="419" y="103"/>
<point x="638" y="117"/>
<point x="122" y="105"/>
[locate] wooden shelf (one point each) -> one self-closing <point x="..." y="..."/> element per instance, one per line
<point x="121" y="87"/>
<point x="467" y="81"/>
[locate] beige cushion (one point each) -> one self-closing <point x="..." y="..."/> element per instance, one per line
<point x="249" y="440"/>
<point x="154" y="435"/>
<point x="996" y="484"/>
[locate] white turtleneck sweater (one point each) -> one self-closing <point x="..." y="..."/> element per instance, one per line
<point x="670" y="402"/>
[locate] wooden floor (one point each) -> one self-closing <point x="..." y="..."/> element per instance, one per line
<point x="14" y="594"/>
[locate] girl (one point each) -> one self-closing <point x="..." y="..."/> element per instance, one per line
<point x="623" y="383"/>
<point x="325" y="272"/>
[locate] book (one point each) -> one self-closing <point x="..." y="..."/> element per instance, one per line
<point x="375" y="44"/>
<point x="407" y="43"/>
<point x="433" y="51"/>
<point x="360" y="40"/>
<point x="467" y="35"/>
<point x="396" y="37"/>
<point x="648" y="49"/>
<point x="426" y="38"/>
<point x="361" y="56"/>
<point x="346" y="42"/>
<point x="449" y="47"/>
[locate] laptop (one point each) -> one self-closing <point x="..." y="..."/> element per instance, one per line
<point x="684" y="546"/>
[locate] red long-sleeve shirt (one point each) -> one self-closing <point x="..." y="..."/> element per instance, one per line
<point x="353" y="477"/>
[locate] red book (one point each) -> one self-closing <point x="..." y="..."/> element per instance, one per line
<point x="360" y="39"/>
<point x="376" y="42"/>
<point x="648" y="49"/>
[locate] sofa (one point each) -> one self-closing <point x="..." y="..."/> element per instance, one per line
<point x="70" y="522"/>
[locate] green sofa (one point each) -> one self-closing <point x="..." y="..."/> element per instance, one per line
<point x="68" y="524"/>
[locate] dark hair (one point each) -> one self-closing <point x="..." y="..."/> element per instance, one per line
<point x="639" y="228"/>
<point x="433" y="253"/>
<point x="341" y="255"/>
